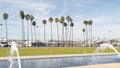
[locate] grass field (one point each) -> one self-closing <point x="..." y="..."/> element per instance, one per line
<point x="32" y="51"/>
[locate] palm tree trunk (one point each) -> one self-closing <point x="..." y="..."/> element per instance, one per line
<point x="58" y="33"/>
<point x="23" y="33"/>
<point x="1" y="32"/>
<point x="66" y="34"/>
<point x="27" y="30"/>
<point x="63" y="34"/>
<point x="31" y="33"/>
<point x="51" y="34"/>
<point x="70" y="37"/>
<point x="91" y="36"/>
<point x="6" y="32"/>
<point x="84" y="41"/>
<point x="44" y="35"/>
<point x="86" y="36"/>
<point x="35" y="35"/>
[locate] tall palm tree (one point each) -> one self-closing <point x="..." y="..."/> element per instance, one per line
<point x="70" y="31"/>
<point x="37" y="33"/>
<point x="22" y="16"/>
<point x="44" y="23"/>
<point x="65" y="25"/>
<point x="86" y="23"/>
<point x="57" y="20"/>
<point x="72" y="25"/>
<point x="51" y="20"/>
<point x="27" y="18"/>
<point x="5" y="17"/>
<point x="90" y="23"/>
<point x="68" y="18"/>
<point x="31" y="20"/>
<point x="83" y="30"/>
<point x="62" y="22"/>
<point x="34" y="25"/>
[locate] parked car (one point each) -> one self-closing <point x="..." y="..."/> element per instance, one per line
<point x="4" y="44"/>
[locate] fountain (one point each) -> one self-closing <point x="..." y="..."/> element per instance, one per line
<point x="103" y="46"/>
<point x="13" y="49"/>
<point x="99" y="49"/>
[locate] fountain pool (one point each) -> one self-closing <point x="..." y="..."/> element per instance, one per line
<point x="61" y="62"/>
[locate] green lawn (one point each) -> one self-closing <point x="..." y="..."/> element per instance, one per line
<point x="30" y="51"/>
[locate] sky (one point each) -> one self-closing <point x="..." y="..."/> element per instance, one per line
<point x="104" y="13"/>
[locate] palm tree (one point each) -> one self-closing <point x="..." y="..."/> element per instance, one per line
<point x="84" y="38"/>
<point x="51" y="20"/>
<point x="23" y="31"/>
<point x="65" y="25"/>
<point x="70" y="31"/>
<point x="34" y="24"/>
<point x="90" y="23"/>
<point x="44" y="23"/>
<point x="62" y="22"/>
<point x="5" y="17"/>
<point x="56" y="20"/>
<point x="86" y="23"/>
<point x="31" y="19"/>
<point x="83" y="35"/>
<point x="27" y="18"/>
<point x="72" y="25"/>
<point x="68" y="18"/>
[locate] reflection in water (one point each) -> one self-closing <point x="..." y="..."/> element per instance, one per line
<point x="62" y="62"/>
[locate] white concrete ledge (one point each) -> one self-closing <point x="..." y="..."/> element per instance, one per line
<point x="110" y="65"/>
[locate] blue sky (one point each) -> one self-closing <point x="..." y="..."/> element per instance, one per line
<point x="104" y="13"/>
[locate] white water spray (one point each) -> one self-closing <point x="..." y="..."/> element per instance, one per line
<point x="13" y="49"/>
<point x="103" y="46"/>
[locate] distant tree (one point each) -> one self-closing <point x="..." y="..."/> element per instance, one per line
<point x="72" y="25"/>
<point x="65" y="25"/>
<point x="83" y="30"/>
<point x="68" y="18"/>
<point x="57" y="20"/>
<point x="44" y="23"/>
<point x="51" y="20"/>
<point x="62" y="20"/>
<point x="27" y="18"/>
<point x="5" y="17"/>
<point x="22" y="16"/>
<point x="86" y="27"/>
<point x="90" y="32"/>
<point x="31" y="20"/>
<point x="34" y="25"/>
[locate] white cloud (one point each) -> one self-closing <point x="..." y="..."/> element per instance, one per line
<point x="42" y="7"/>
<point x="103" y="19"/>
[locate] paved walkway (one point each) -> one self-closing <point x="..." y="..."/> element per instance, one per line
<point x="110" y="65"/>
